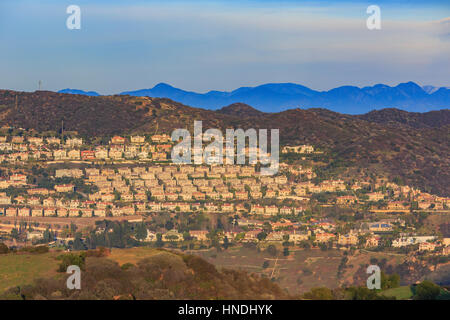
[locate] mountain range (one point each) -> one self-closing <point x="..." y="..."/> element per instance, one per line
<point x="276" y="97"/>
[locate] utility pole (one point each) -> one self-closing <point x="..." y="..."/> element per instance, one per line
<point x="39" y="85"/>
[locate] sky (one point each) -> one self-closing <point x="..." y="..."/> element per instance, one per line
<point x="203" y="45"/>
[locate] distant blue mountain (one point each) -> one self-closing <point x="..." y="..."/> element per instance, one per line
<point x="76" y="91"/>
<point x="275" y="97"/>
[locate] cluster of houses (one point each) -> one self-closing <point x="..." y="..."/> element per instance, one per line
<point x="134" y="190"/>
<point x="20" y="149"/>
<point x="125" y="189"/>
<point x="318" y="232"/>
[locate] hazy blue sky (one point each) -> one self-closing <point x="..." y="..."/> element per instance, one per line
<point x="221" y="45"/>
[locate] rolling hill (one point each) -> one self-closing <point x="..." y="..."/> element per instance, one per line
<point x="412" y="146"/>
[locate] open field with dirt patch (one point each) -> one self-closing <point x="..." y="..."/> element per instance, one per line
<point x="22" y="269"/>
<point x="131" y="255"/>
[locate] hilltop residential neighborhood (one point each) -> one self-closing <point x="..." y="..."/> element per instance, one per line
<point x="49" y="183"/>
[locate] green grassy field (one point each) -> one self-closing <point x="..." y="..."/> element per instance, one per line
<point x="21" y="269"/>
<point x="401" y="293"/>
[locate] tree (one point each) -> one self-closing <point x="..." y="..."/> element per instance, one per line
<point x="285" y="251"/>
<point x="48" y="236"/>
<point x="141" y="231"/>
<point x="159" y="242"/>
<point x="169" y="225"/>
<point x="14" y="233"/>
<point x="78" y="243"/>
<point x="321" y="293"/>
<point x="261" y="236"/>
<point x="389" y="281"/>
<point x="3" y="248"/>
<point x="272" y="250"/>
<point x="265" y="264"/>
<point x="226" y="243"/>
<point x="427" y="290"/>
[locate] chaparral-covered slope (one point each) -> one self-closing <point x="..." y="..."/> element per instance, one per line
<point x="412" y="146"/>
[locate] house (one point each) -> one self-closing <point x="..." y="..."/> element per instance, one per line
<point x="16" y="177"/>
<point x="270" y="193"/>
<point x="59" y="154"/>
<point x="23" y="212"/>
<point x="297" y="237"/>
<point x="17" y="139"/>
<point x="151" y="236"/>
<point x="350" y="239"/>
<point x="74" y="213"/>
<point x="49" y="212"/>
<point x="87" y="155"/>
<point x="154" y="206"/>
<point x="344" y="200"/>
<point x="375" y="196"/>
<point x="250" y="223"/>
<point x="158" y="138"/>
<point x="406" y="241"/>
<point x="243" y="195"/>
<point x="62" y="212"/>
<point x="427" y="246"/>
<point x="74" y="154"/>
<point x="282" y="224"/>
<point x="11" y="212"/>
<point x="200" y="235"/>
<point x="373" y="241"/>
<point x="74" y="142"/>
<point x="128" y="210"/>
<point x="34" y="235"/>
<point x="198" y="195"/>
<point x="37" y="212"/>
<point x="101" y="153"/>
<point x="4" y="199"/>
<point x="323" y="237"/>
<point x="227" y="207"/>
<point x="397" y="205"/>
<point x="64" y="188"/>
<point x="36" y="141"/>
<point x="115" y="154"/>
<point x="118" y="140"/>
<point x="86" y="213"/>
<point x="275" y="236"/>
<point x="99" y="212"/>
<point x="271" y="210"/>
<point x="285" y="210"/>
<point x="380" y="227"/>
<point x="257" y="209"/>
<point x="298" y="149"/>
<point x="251" y="236"/>
<point x="137" y="139"/>
<point x="211" y="207"/>
<point x="172" y="236"/>
<point x="446" y="241"/>
<point x="53" y="140"/>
